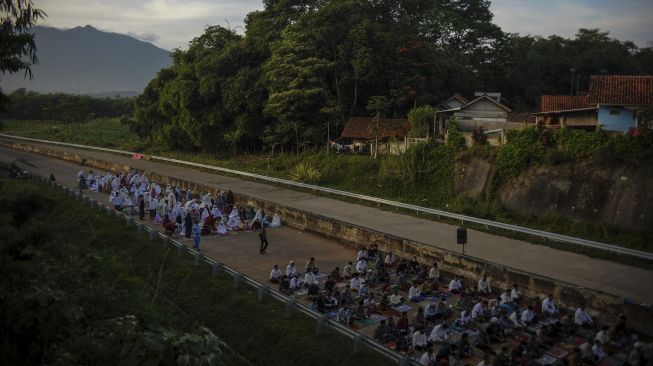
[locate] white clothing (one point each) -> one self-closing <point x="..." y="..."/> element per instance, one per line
<point x="527" y="316"/>
<point x="427" y="359"/>
<point x="455" y="285"/>
<point x="291" y="270"/>
<point x="548" y="306"/>
<point x="395" y="299"/>
<point x="295" y="282"/>
<point x="582" y="317"/>
<point x="309" y="278"/>
<point x="505" y="298"/>
<point x="390" y="258"/>
<point x="464" y="317"/>
<point x="414" y="292"/>
<point x="515" y="294"/>
<point x="484" y="285"/>
<point x="361" y="254"/>
<point x="597" y="350"/>
<point x="355" y="283"/>
<point x="276" y="221"/>
<point x="419" y="339"/>
<point x="602" y="336"/>
<point x="434" y="273"/>
<point x="258" y="216"/>
<point x="361" y="266"/>
<point x="478" y="310"/>
<point x="275" y="274"/>
<point x="515" y="320"/>
<point x="222" y="230"/>
<point x="347" y="271"/>
<point x="438" y="334"/>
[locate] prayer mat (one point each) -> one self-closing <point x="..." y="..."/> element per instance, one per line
<point x="585" y="333"/>
<point x="362" y="323"/>
<point x="557" y="352"/>
<point x="378" y="317"/>
<point x="301" y="292"/>
<point x="332" y="314"/>
<point x="402" y="308"/>
<point x="546" y="360"/>
<point x="320" y="275"/>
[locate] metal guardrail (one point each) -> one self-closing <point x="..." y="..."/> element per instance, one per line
<point x="379" y="201"/>
<point x="321" y="321"/>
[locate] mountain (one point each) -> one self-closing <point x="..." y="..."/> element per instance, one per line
<point x="85" y="60"/>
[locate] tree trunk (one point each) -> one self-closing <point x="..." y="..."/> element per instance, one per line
<point x="335" y="74"/>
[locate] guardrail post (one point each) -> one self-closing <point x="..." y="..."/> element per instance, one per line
<point x="321" y="322"/>
<point x="109" y="210"/>
<point x="403" y="361"/>
<point x="290" y="305"/>
<point x="165" y="240"/>
<point x="128" y="221"/>
<point x="140" y="228"/>
<point x="237" y="277"/>
<point x="217" y="267"/>
<point x="198" y="258"/>
<point x="180" y="250"/>
<point x="152" y="234"/>
<point x="77" y="196"/>
<point x="262" y="290"/>
<point x="359" y="340"/>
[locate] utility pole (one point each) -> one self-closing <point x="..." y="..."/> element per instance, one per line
<point x="571" y="87"/>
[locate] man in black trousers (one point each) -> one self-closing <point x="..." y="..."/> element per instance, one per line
<point x="262" y="234"/>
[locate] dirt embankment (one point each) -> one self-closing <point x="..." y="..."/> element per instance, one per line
<point x="621" y="197"/>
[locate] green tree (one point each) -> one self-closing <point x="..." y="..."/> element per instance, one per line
<point x="379" y="106"/>
<point x="17" y="46"/>
<point x="420" y="119"/>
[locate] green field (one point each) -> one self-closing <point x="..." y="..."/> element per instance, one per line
<point x="77" y="287"/>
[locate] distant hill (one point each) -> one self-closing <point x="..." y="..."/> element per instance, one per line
<point x="85" y="60"/>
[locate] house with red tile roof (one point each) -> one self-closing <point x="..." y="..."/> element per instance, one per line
<point x="360" y="132"/>
<point x="614" y="102"/>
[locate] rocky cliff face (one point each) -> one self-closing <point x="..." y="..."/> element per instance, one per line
<point x="621" y="197"/>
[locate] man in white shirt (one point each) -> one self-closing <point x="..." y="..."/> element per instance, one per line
<point x="275" y="274"/>
<point x="348" y="271"/>
<point x="528" y="316"/>
<point x="291" y="269"/>
<point x="309" y="279"/>
<point x="428" y="358"/>
<point x="603" y="336"/>
<point x="478" y="311"/>
<point x="361" y="254"/>
<point x="548" y="306"/>
<point x="464" y="317"/>
<point x="515" y="294"/>
<point x="355" y="283"/>
<point x="455" y="285"/>
<point x="363" y="290"/>
<point x="516" y="319"/>
<point x="419" y="339"/>
<point x="440" y="333"/>
<point x="597" y="350"/>
<point x="414" y="294"/>
<point x="361" y="266"/>
<point x="484" y="285"/>
<point x="296" y="282"/>
<point x="581" y="317"/>
<point x="390" y="259"/>
<point x="434" y="272"/>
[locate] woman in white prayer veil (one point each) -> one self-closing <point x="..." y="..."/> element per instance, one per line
<point x="276" y="221"/>
<point x="216" y="213"/>
<point x="222" y="229"/>
<point x="234" y="213"/>
<point x="207" y="199"/>
<point x="204" y="212"/>
<point x="234" y="222"/>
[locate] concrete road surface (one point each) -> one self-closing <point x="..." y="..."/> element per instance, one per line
<point x="614" y="278"/>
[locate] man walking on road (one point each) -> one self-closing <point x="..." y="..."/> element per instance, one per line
<point x="262" y="234"/>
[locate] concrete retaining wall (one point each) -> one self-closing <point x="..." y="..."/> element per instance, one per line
<point x="600" y="304"/>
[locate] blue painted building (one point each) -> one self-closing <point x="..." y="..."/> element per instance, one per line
<point x="617" y="118"/>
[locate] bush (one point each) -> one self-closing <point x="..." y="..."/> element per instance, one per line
<point x="521" y="150"/>
<point x="455" y="140"/>
<point x="306" y="173"/>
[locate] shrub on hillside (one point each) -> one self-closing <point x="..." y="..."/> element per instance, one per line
<point x="306" y="173"/>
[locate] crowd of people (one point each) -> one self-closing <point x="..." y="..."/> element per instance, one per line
<point x="179" y="211"/>
<point x="457" y="321"/>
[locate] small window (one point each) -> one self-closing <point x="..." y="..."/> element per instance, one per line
<point x="615" y="112"/>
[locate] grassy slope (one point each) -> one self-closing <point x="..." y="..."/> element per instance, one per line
<point x="112" y="272"/>
<point x="432" y="190"/>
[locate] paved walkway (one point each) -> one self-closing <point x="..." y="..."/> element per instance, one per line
<point x="622" y="280"/>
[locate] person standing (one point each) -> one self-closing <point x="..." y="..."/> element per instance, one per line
<point x="197" y="235"/>
<point x="262" y="234"/>
<point x="141" y="207"/>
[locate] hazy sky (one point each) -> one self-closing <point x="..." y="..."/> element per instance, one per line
<point x="172" y="23"/>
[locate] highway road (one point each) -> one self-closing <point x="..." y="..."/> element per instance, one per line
<point x="622" y="280"/>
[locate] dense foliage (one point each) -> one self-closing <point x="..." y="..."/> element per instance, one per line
<point x="303" y="67"/>
<point x="17" y="47"/>
<point x="65" y="107"/>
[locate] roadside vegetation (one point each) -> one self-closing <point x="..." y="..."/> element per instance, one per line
<point x="76" y="287"/>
